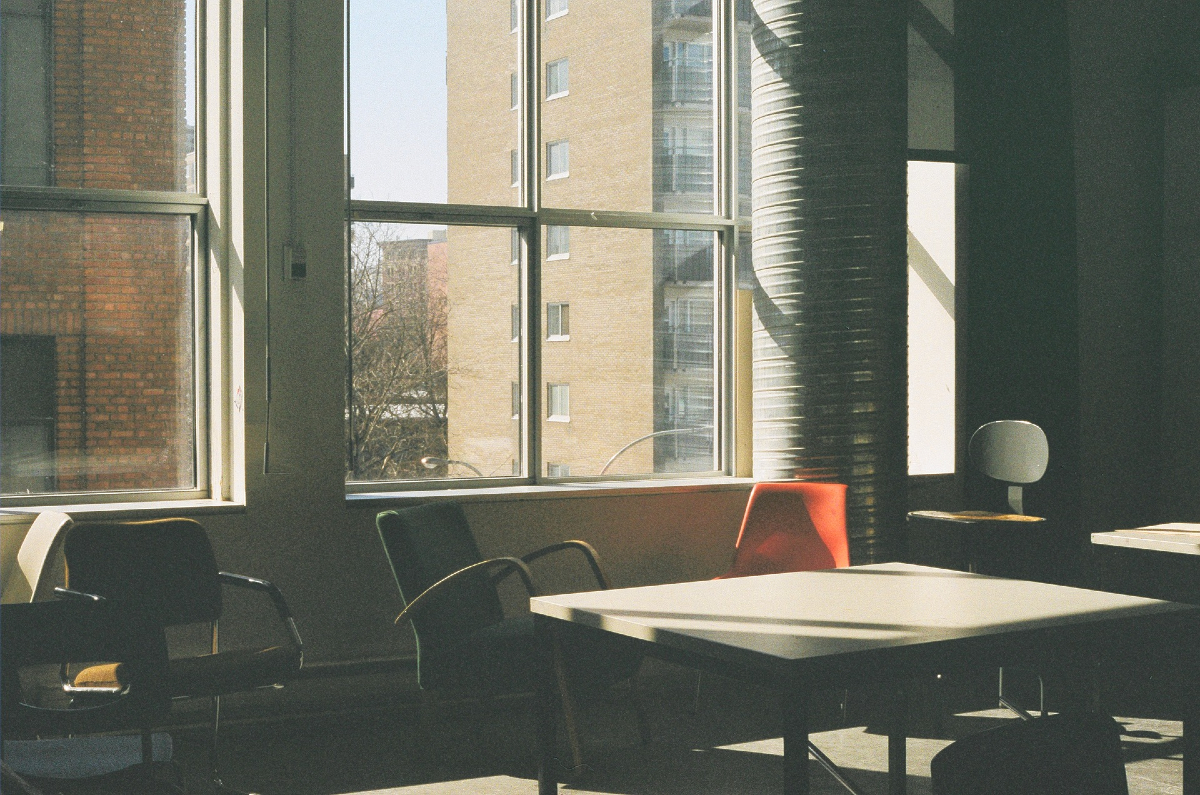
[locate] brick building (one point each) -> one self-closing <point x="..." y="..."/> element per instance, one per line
<point x="96" y="307"/>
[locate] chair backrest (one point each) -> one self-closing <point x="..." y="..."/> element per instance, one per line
<point x="39" y="552"/>
<point x="425" y="544"/>
<point x="1064" y="754"/>
<point x="55" y="632"/>
<point x="1011" y="451"/>
<point x="792" y="525"/>
<point x="165" y="566"/>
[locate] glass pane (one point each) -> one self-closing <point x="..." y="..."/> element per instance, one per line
<point x="94" y="97"/>
<point x="432" y="111"/>
<point x="432" y="360"/>
<point x="630" y="388"/>
<point x="931" y="318"/>
<point x="97" y="320"/>
<point x="638" y="117"/>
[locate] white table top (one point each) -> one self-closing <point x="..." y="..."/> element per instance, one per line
<point x="1162" y="538"/>
<point x="807" y="615"/>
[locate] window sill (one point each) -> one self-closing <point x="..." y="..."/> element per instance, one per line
<point x="557" y="257"/>
<point x="552" y="491"/>
<point x="563" y="175"/>
<point x="114" y="510"/>
<point x="558" y="95"/>
<point x="556" y="16"/>
<point x="558" y="418"/>
<point x="557" y="338"/>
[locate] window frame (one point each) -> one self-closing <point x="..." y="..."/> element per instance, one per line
<point x="560" y="76"/>
<point x="210" y="335"/>
<point x="558" y="321"/>
<point x="563" y="399"/>
<point x="725" y="220"/>
<point x="562" y="145"/>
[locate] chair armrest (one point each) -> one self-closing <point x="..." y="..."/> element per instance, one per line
<point x="474" y="570"/>
<point x="255" y="584"/>
<point x="77" y="596"/>
<point x="589" y="552"/>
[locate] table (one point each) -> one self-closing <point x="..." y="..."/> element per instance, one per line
<point x="883" y="624"/>
<point x="1161" y="562"/>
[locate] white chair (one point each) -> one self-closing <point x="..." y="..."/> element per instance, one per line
<point x="38" y="555"/>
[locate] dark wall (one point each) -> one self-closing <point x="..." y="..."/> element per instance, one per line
<point x="1021" y="317"/>
<point x="1078" y="122"/>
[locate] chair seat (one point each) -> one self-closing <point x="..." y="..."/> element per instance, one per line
<point x="206" y="675"/>
<point x="230" y="671"/>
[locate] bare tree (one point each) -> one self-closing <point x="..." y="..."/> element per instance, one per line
<point x="397" y="350"/>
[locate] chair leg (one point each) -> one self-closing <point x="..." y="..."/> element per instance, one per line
<point x="568" y="708"/>
<point x="219" y="787"/>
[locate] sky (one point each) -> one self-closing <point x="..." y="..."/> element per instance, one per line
<point x="398" y="99"/>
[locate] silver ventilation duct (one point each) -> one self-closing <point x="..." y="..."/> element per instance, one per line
<point x="829" y="128"/>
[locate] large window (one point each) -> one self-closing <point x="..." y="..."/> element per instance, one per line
<point x="102" y="219"/>
<point x="620" y="302"/>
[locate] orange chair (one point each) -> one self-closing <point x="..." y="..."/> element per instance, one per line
<point x="792" y="525"/>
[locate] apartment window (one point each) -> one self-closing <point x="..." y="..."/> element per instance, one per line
<point x="555" y="8"/>
<point x="515" y="246"/>
<point x="557" y="159"/>
<point x="688" y="70"/>
<point x="558" y="402"/>
<point x="558" y="325"/>
<point x="99" y="287"/>
<point x="516" y="323"/>
<point x="516" y="409"/>
<point x="515" y="167"/>
<point x="514" y="91"/>
<point x="27" y="68"/>
<point x="513" y="15"/>
<point x="558" y="470"/>
<point x="556" y="79"/>
<point x="558" y="242"/>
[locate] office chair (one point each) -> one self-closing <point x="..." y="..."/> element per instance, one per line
<point x="54" y="633"/>
<point x="1064" y="754"/>
<point x="38" y="554"/>
<point x="1014" y="453"/>
<point x="167" y="568"/>
<point x="793" y="525"/>
<point x="465" y="643"/>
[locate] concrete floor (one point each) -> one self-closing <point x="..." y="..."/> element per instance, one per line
<point x="731" y="745"/>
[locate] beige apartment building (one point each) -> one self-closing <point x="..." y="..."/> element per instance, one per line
<point x="626" y="315"/>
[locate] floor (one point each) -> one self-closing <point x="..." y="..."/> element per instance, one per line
<point x="730" y="745"/>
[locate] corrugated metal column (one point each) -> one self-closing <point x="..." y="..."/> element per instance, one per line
<point x="829" y="130"/>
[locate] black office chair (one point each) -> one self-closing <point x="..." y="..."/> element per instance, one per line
<point x="49" y="634"/>
<point x="1064" y="754"/>
<point x="167" y="568"/>
<point x="465" y="643"/>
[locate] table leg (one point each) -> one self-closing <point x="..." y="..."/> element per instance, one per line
<point x="795" y="744"/>
<point x="546" y="708"/>
<point x="1191" y="743"/>
<point x="897" y="743"/>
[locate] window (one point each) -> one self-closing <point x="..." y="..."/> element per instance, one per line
<point x="27" y="68"/>
<point x="514" y="91"/>
<point x="558" y="325"/>
<point x="513" y="15"/>
<point x="558" y="242"/>
<point x="516" y="323"/>
<point x="556" y="79"/>
<point x="558" y="470"/>
<point x="557" y="159"/>
<point x="931" y="318"/>
<point x="558" y="402"/>
<point x="100" y="292"/>
<point x="608" y="238"/>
